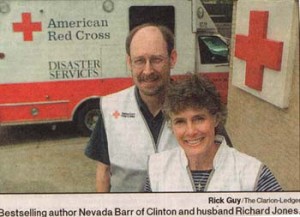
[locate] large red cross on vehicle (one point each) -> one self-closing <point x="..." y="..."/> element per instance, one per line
<point x="27" y="27"/>
<point x="257" y="50"/>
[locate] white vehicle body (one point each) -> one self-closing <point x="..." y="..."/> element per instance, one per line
<point x="58" y="56"/>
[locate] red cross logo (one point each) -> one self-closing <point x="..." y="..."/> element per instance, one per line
<point x="27" y="27"/>
<point x="257" y="50"/>
<point x="116" y="114"/>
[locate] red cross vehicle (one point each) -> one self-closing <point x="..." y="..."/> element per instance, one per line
<point x="58" y="57"/>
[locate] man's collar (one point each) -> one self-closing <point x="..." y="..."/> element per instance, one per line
<point x="142" y="105"/>
<point x="140" y="102"/>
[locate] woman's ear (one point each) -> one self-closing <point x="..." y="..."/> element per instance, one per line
<point x="217" y="119"/>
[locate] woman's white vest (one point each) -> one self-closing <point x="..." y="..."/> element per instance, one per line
<point x="232" y="171"/>
<point x="130" y="141"/>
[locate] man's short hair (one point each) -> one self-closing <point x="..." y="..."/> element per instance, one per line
<point x="165" y="31"/>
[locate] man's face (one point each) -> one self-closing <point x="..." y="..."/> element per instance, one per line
<point x="149" y="61"/>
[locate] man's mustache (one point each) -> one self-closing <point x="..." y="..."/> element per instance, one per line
<point x="150" y="77"/>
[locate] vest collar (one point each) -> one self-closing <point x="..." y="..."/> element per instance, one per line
<point x="221" y="153"/>
<point x="183" y="158"/>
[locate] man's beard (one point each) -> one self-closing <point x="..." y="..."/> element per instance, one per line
<point x="154" y="91"/>
<point x="151" y="78"/>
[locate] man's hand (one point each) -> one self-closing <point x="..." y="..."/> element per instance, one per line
<point x="102" y="177"/>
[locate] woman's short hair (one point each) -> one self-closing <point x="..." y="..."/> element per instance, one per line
<point x="194" y="91"/>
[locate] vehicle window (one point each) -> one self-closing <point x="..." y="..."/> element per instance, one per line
<point x="163" y="15"/>
<point x="213" y="50"/>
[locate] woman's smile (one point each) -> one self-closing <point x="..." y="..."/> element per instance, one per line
<point x="194" y="142"/>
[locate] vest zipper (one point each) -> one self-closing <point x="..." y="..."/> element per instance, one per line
<point x="149" y="131"/>
<point x="209" y="179"/>
<point x="159" y="135"/>
<point x="191" y="178"/>
<point x="145" y="123"/>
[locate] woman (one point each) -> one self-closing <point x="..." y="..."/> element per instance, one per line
<point x="202" y="161"/>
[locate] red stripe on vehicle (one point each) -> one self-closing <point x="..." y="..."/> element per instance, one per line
<point x="52" y="100"/>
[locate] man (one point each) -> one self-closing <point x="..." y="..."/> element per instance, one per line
<point x="150" y="57"/>
<point x="121" y="144"/>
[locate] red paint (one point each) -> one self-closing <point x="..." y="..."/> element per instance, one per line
<point x="257" y="50"/>
<point x="54" y="100"/>
<point x="220" y="80"/>
<point x="58" y="100"/>
<point x="116" y="114"/>
<point x="27" y="27"/>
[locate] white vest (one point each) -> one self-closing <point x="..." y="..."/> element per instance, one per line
<point x="130" y="141"/>
<point x="232" y="171"/>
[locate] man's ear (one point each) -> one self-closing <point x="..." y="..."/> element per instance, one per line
<point x="128" y="61"/>
<point x="173" y="58"/>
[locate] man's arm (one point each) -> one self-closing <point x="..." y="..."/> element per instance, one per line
<point x="97" y="149"/>
<point x="102" y="177"/>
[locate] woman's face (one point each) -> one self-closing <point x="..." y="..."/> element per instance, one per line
<point x="194" y="129"/>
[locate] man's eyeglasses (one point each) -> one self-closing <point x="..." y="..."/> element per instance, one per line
<point x="155" y="61"/>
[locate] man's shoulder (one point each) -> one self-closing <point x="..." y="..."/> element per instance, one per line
<point x="117" y="100"/>
<point x="120" y="93"/>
